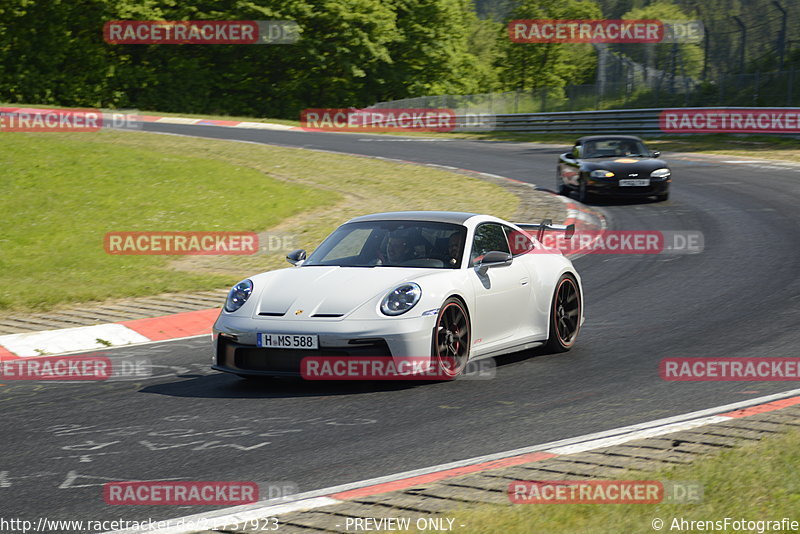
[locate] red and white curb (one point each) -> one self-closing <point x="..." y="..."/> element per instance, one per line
<point x="228" y="124"/>
<point x="399" y="481"/>
<point x="86" y="338"/>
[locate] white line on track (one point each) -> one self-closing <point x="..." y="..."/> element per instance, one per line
<point x="319" y="498"/>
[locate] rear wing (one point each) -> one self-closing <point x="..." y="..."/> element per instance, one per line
<point x="545" y="225"/>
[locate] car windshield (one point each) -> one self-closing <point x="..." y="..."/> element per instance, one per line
<point x="392" y="244"/>
<point x="610" y="148"/>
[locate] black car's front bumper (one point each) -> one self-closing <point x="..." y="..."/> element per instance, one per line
<point x="611" y="187"/>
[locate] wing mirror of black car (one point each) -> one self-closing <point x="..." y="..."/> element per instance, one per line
<point x="296" y="256"/>
<point x="494" y="258"/>
<point x="656" y="154"/>
<point x="567" y="155"/>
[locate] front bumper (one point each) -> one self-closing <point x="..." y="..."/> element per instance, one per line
<point x="235" y="349"/>
<point x="612" y="188"/>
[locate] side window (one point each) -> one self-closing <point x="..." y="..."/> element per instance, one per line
<point x="488" y="237"/>
<point x="519" y="242"/>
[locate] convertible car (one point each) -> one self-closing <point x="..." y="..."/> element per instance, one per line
<point x="445" y="286"/>
<point x="616" y="165"/>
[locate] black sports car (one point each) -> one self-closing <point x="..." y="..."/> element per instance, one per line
<point x="618" y="165"/>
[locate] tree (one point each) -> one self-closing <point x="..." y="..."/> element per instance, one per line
<point x="533" y="65"/>
<point x="685" y="59"/>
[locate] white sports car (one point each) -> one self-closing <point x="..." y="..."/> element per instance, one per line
<point x="400" y="285"/>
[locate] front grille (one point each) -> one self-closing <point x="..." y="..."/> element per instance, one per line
<point x="287" y="361"/>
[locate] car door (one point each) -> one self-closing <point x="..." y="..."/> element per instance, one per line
<point x="534" y="323"/>
<point x="501" y="292"/>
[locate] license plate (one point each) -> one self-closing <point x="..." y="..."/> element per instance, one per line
<point x="288" y="341"/>
<point x="634" y="182"/>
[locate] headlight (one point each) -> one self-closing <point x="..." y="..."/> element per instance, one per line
<point x="601" y="174"/>
<point x="660" y="173"/>
<point x="401" y="299"/>
<point x="238" y="295"/>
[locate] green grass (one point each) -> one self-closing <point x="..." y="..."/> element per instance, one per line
<point x="759" y="481"/>
<point x="60" y="193"/>
<point x="60" y="198"/>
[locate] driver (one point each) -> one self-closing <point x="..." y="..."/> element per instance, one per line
<point x="398" y="248"/>
<point x="625" y="148"/>
<point x="454" y="248"/>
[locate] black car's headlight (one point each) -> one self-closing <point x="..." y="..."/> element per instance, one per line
<point x="401" y="299"/>
<point x="238" y="295"/>
<point x="660" y="173"/>
<point x="601" y="173"/>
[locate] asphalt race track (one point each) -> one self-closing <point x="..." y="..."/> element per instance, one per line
<point x="740" y="297"/>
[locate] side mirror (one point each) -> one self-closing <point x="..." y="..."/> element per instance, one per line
<point x="656" y="154"/>
<point x="296" y="256"/>
<point x="494" y="258"/>
<point x="567" y="155"/>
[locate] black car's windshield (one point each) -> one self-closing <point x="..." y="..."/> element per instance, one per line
<point x="613" y="147"/>
<point x="392" y="244"/>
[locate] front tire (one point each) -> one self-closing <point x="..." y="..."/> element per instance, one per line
<point x="565" y="315"/>
<point x="452" y="337"/>
<point x="561" y="189"/>
<point x="583" y="192"/>
<point x="662" y="197"/>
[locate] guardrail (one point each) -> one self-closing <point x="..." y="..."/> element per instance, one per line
<point x="632" y="121"/>
<point x="643" y="121"/>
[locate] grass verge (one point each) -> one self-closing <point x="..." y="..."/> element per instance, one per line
<point x="758" y="481"/>
<point x="62" y="192"/>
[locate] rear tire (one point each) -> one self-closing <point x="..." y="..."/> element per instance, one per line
<point x="565" y="315"/>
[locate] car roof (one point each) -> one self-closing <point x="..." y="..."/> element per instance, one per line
<point x="582" y="140"/>
<point x="453" y="217"/>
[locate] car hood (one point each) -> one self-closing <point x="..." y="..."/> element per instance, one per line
<point x="624" y="165"/>
<point x="303" y="292"/>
